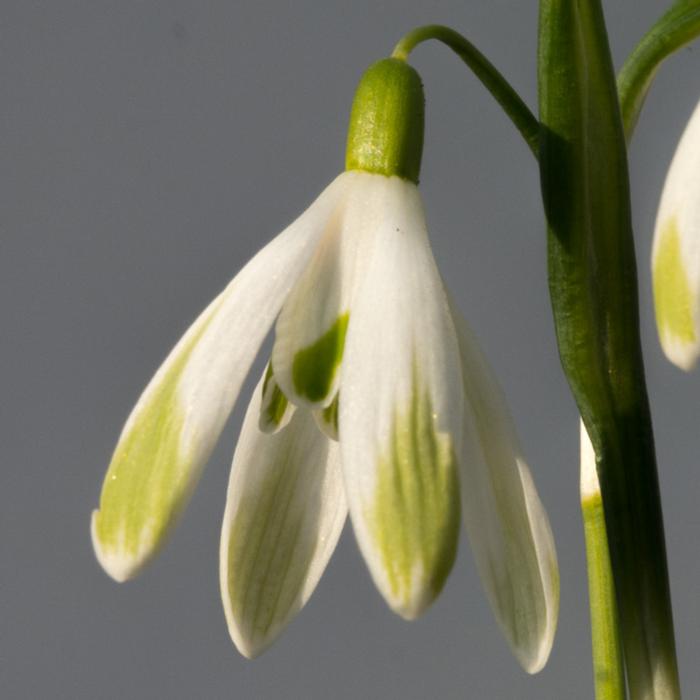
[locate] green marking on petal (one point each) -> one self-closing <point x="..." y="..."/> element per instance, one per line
<point x="269" y="374"/>
<point x="327" y="419"/>
<point x="314" y="367"/>
<point x="672" y="294"/>
<point x="267" y="558"/>
<point x="274" y="403"/>
<point x="415" y="514"/>
<point x="148" y="478"/>
<point x="330" y="415"/>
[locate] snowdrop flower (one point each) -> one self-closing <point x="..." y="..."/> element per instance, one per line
<point x="676" y="252"/>
<point x="376" y="399"/>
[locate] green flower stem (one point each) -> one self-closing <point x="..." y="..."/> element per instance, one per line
<point x="513" y="105"/>
<point x="593" y="288"/>
<point x="608" y="664"/>
<point x="673" y="30"/>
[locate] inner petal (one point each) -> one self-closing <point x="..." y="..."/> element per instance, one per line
<point x="311" y="328"/>
<point x="275" y="409"/>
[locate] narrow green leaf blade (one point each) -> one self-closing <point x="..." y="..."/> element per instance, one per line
<point x="593" y="286"/>
<point x="673" y="30"/>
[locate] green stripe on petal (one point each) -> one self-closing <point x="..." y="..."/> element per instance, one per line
<point x="148" y="478"/>
<point x="506" y="522"/>
<point x="672" y="292"/>
<point x="415" y="514"/>
<point x="400" y="413"/>
<point x="262" y="580"/>
<point x="284" y="513"/>
<point x="315" y="366"/>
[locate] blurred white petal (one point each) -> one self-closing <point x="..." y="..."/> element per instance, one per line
<point x="676" y="252"/>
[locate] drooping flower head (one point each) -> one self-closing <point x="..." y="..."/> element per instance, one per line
<point x="676" y="252"/>
<point x="376" y="400"/>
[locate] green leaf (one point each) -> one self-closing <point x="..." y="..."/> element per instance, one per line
<point x="593" y="286"/>
<point x="673" y="30"/>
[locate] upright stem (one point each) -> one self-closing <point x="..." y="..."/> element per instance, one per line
<point x="593" y="288"/>
<point x="608" y="663"/>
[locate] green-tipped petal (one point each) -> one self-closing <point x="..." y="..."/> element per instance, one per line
<point x="275" y="409"/>
<point x="175" y="424"/>
<point x="310" y="332"/>
<point x="284" y="513"/>
<point x="507" y="525"/>
<point x="400" y="412"/>
<point x="327" y="419"/>
<point x="676" y="253"/>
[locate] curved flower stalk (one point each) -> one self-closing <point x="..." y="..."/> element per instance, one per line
<point x="377" y="400"/>
<point x="676" y="252"/>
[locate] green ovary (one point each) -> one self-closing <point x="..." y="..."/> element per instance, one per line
<point x="148" y="477"/>
<point x="415" y="515"/>
<point x="672" y="294"/>
<point x="314" y="367"/>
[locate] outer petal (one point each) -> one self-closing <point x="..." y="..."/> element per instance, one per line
<point x="507" y="525"/>
<point x="310" y="331"/>
<point x="400" y="411"/>
<point x="676" y="252"/>
<point x="177" y="421"/>
<point x="284" y="513"/>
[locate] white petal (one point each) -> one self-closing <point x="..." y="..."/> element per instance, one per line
<point x="400" y="410"/>
<point x="676" y="253"/>
<point x="284" y="513"/>
<point x="178" y="418"/>
<point x="310" y="331"/>
<point x="590" y="486"/>
<point x="506" y="522"/>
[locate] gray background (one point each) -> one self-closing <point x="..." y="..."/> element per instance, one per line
<point x="148" y="150"/>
